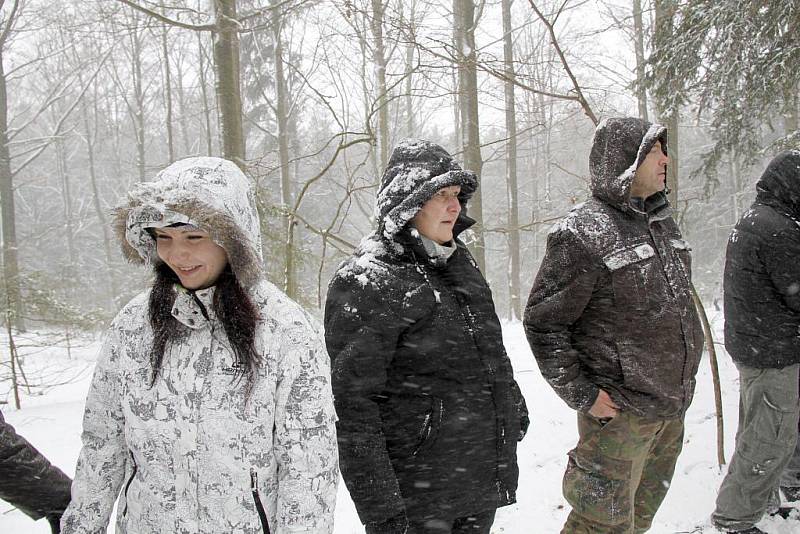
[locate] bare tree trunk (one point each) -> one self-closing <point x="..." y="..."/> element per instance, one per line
<point x="791" y="120"/>
<point x="12" y="350"/>
<point x="90" y="136"/>
<point x="281" y="118"/>
<point x="138" y="94"/>
<point x="409" y="86"/>
<point x="189" y="146"/>
<point x="379" y="58"/>
<point x="638" y="41"/>
<point x="456" y="107"/>
<point x="66" y="196"/>
<point x="204" y="91"/>
<point x="229" y="96"/>
<point x="665" y="13"/>
<point x="464" y="12"/>
<point x="167" y="93"/>
<point x="10" y="250"/>
<point x="511" y="164"/>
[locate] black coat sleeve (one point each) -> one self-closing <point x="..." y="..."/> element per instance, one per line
<point x="560" y="293"/>
<point x="27" y="480"/>
<point x="361" y="334"/>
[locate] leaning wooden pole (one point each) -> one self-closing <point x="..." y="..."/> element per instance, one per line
<point x="712" y="358"/>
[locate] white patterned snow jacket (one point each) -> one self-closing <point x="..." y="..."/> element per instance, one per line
<point x="190" y="454"/>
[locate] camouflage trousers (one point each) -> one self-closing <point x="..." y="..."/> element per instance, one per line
<point x="765" y="443"/>
<point x="619" y="473"/>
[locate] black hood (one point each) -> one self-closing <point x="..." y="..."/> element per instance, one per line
<point x="619" y="147"/>
<point x="779" y="186"/>
<point x="416" y="170"/>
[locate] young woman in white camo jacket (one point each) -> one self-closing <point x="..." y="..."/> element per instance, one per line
<point x="210" y="409"/>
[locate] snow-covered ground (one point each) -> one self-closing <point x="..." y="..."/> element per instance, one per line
<point x="52" y="422"/>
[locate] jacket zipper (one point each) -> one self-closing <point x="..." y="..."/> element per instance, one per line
<point x="128" y="484"/>
<point x="424" y="433"/>
<point x="262" y="514"/>
<point x="427" y="425"/>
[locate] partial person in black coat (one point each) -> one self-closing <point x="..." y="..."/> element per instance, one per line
<point x="29" y="481"/>
<point x="762" y="335"/>
<point x="429" y="412"/>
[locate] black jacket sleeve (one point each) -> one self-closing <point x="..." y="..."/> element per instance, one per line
<point x="560" y="293"/>
<point x="361" y="334"/>
<point x="27" y="480"/>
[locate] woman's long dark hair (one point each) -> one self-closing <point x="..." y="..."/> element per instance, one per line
<point x="232" y="306"/>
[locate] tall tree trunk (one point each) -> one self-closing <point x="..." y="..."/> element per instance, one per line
<point x="167" y="94"/>
<point x="229" y="96"/>
<point x="409" y="85"/>
<point x="511" y="164"/>
<point x="66" y="196"/>
<point x="10" y="256"/>
<point x="464" y="12"/>
<point x="791" y="121"/>
<point x="281" y="118"/>
<point x="665" y="13"/>
<point x="379" y="59"/>
<point x="138" y="94"/>
<point x="201" y="54"/>
<point x="638" y="41"/>
<point x="183" y="120"/>
<point x="90" y="134"/>
<point x="456" y="107"/>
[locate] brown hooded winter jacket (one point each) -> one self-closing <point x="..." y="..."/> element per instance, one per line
<point x="611" y="306"/>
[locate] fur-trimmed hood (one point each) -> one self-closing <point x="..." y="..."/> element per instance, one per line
<point x="619" y="147"/>
<point x="210" y="193"/>
<point x="416" y="170"/>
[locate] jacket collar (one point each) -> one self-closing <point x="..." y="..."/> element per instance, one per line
<point x="195" y="309"/>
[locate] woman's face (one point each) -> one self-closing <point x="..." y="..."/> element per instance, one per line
<point x="191" y="254"/>
<point x="436" y="218"/>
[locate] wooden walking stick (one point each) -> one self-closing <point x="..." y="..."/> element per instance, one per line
<point x="712" y="358"/>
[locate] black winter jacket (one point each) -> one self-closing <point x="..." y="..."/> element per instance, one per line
<point x="611" y="305"/>
<point x="762" y="272"/>
<point x="429" y="412"/>
<point x="27" y="480"/>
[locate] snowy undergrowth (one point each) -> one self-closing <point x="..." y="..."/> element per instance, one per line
<point x="52" y="421"/>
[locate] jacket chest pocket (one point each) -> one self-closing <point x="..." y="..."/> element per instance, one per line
<point x="637" y="278"/>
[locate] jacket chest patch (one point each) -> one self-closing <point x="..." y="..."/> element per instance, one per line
<point x="237" y="368"/>
<point x="632" y="254"/>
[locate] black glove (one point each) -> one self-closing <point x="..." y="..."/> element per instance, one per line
<point x="55" y="523"/>
<point x="394" y="525"/>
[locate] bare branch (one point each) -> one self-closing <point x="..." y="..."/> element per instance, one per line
<point x="9" y="24"/>
<point x="64" y="117"/>
<point x="553" y="39"/>
<point x="167" y="20"/>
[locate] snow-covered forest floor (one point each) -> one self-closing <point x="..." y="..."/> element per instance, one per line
<point x="52" y="422"/>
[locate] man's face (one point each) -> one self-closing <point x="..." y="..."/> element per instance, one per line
<point x="651" y="175"/>
<point x="437" y="216"/>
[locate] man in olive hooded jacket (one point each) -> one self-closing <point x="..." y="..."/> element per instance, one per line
<point x="611" y="323"/>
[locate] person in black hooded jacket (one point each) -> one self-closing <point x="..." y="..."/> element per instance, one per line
<point x="429" y="412"/>
<point x="29" y="481"/>
<point x="762" y="335"/>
